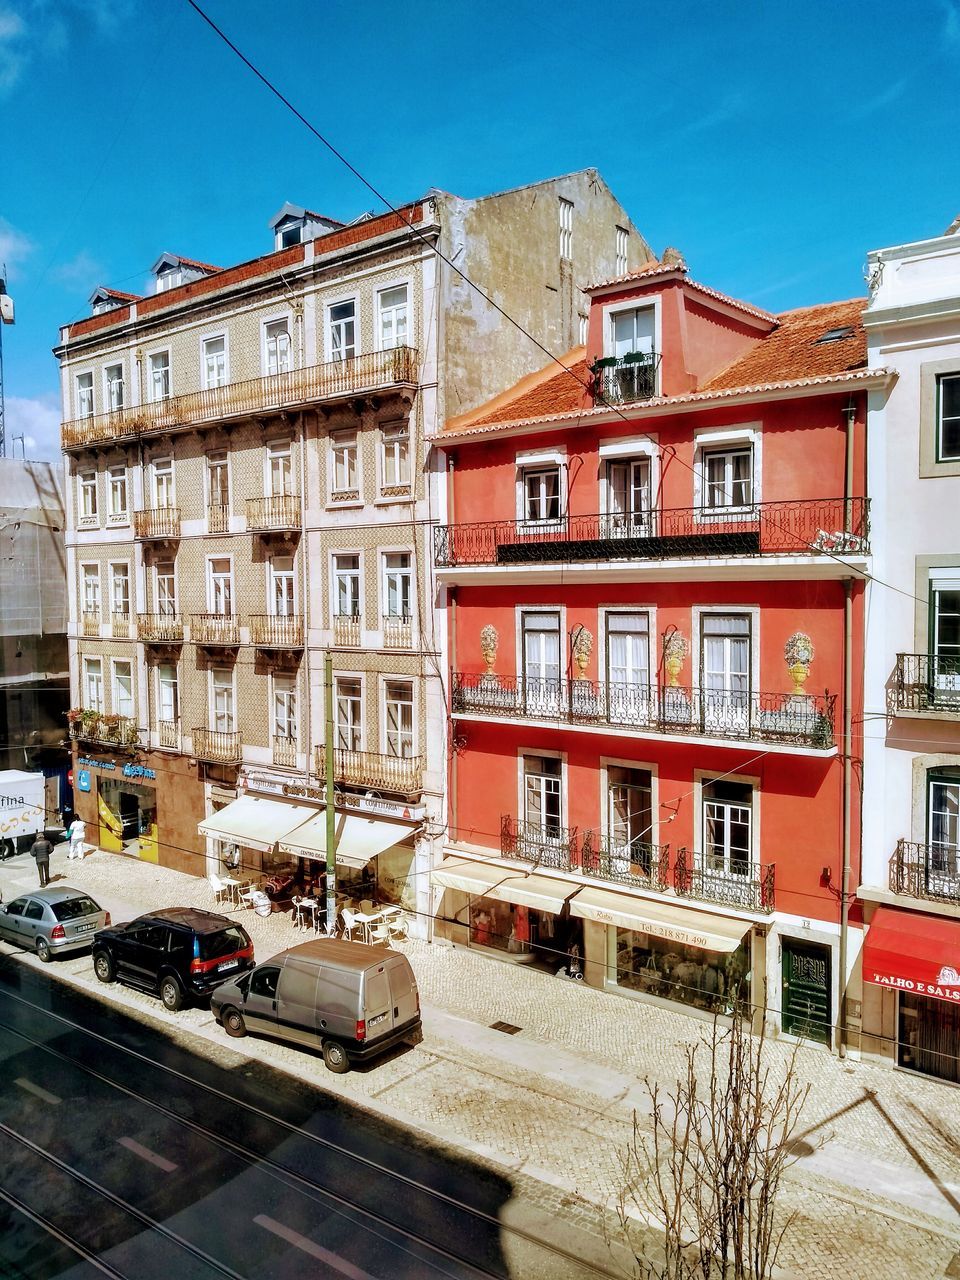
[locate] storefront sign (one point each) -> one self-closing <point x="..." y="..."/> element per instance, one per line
<point x="83" y="779"/>
<point x="946" y="986"/>
<point x="86" y="763"/>
<point x="137" y="771"/>
<point x="919" y="954"/>
<point x="252" y="780"/>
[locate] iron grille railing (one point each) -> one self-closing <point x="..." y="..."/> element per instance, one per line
<point x="277" y="513"/>
<point x="91" y="622"/>
<point x="218" y="518"/>
<point x="620" y="380"/>
<point x="547" y="844"/>
<point x="120" y="626"/>
<point x="215" y="629"/>
<point x="217" y="746"/>
<point x="168" y="734"/>
<point x="930" y="871"/>
<point x="156" y="523"/>
<point x="346" y="629"/>
<point x="733" y="882"/>
<point x="335" y="380"/>
<point x="397" y="631"/>
<point x="927" y="682"/>
<point x="160" y="628"/>
<point x="272" y="631"/>
<point x="400" y="774"/>
<point x="794" y="719"/>
<point x="631" y="862"/>
<point x="285" y="752"/>
<point x="105" y="729"/>
<point x="821" y="526"/>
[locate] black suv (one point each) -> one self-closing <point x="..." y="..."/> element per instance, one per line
<point x="174" y="953"/>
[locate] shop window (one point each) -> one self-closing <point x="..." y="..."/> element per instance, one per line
<point x="710" y="980"/>
<point x="928" y="1036"/>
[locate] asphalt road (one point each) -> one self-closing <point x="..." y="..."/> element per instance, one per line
<point x="125" y="1153"/>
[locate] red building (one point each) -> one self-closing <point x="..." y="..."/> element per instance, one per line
<point x="646" y="562"/>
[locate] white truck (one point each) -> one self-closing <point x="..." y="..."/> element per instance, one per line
<point x="22" y="810"/>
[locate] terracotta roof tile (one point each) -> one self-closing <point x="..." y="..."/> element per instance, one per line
<point x="549" y="390"/>
<point x="651" y="268"/>
<point x="200" y="266"/>
<point x="122" y="297"/>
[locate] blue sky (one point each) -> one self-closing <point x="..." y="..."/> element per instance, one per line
<point x="773" y="143"/>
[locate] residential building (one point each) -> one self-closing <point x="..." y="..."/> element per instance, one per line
<point x="247" y="454"/>
<point x="911" y="833"/>
<point x="653" y="563"/>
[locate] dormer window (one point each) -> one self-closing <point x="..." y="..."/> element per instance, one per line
<point x="289" y="233"/>
<point x="168" y="279"/>
<point x="628" y="369"/>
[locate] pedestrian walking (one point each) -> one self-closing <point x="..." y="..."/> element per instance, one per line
<point x="42" y="849"/>
<point x="77" y="833"/>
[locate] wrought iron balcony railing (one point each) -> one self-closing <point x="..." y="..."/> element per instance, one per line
<point x="734" y="882"/>
<point x="926" y="871"/>
<point x="620" y="380"/>
<point x="157" y="524"/>
<point x="272" y="631"/>
<point x="547" y="844"/>
<point x="160" y="628"/>
<point x="336" y="380"/>
<point x="346" y="630"/>
<point x="285" y="752"/>
<point x="106" y="730"/>
<point x="91" y="622"/>
<point x="400" y="774"/>
<point x="168" y="734"/>
<point x="120" y="626"/>
<point x="804" y="720"/>
<point x="218" y="518"/>
<point x="218" y="629"/>
<point x="397" y="631"/>
<point x="278" y="513"/>
<point x="927" y="682"/>
<point x="822" y="526"/>
<point x="217" y="746"/>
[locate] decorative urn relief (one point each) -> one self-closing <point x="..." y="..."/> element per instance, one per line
<point x="798" y="652"/>
<point x="675" y="650"/>
<point x="489" y="639"/>
<point x="582" y="649"/>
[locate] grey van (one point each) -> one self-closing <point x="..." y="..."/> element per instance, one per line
<point x="349" y="1000"/>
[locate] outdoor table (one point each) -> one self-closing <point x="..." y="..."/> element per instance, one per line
<point x="231" y="886"/>
<point x="365" y="921"/>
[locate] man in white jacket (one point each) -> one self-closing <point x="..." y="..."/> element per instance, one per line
<point x="77" y="833"/>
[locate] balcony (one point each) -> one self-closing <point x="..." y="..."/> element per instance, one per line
<point x="796" y="720"/>
<point x="833" y="527"/>
<point x="104" y="730"/>
<point x="168" y="735"/>
<point x="217" y="746"/>
<point x="120" y="626"/>
<point x="218" y="518"/>
<point x="215" y="630"/>
<point x="623" y="379"/>
<point x="346" y="630"/>
<point x="338" y="380"/>
<point x="158" y="524"/>
<point x="401" y="775"/>
<point x="277" y="514"/>
<point x="929" y="872"/>
<point x="160" y="628"/>
<point x="90" y="623"/>
<point x="271" y="631"/>
<point x="744" y="885"/>
<point x="285" y="752"/>
<point x="397" y="632"/>
<point x="927" y="682"/>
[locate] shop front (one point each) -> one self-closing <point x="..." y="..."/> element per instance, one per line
<point x="118" y="801"/>
<point x="916" y="957"/>
<point x="374" y="858"/>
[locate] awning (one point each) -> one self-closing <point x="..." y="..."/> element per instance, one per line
<point x="254" y="821"/>
<point x="358" y="838"/>
<point x="485" y="880"/>
<point x="661" y="919"/>
<point x="909" y="951"/>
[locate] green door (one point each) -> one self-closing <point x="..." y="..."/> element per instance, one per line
<point x="806" y="990"/>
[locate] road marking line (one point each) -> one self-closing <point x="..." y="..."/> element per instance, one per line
<point x="315" y="1250"/>
<point x="145" y="1153"/>
<point x="30" y="1087"/>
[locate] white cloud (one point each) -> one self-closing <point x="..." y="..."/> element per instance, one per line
<point x="82" y="269"/>
<point x="885" y="98"/>
<point x="37" y="419"/>
<point x="14" y="247"/>
<point x="13" y="51"/>
<point x="950" y="33"/>
<point x="29" y="28"/>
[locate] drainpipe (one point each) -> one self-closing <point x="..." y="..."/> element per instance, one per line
<point x="850" y="413"/>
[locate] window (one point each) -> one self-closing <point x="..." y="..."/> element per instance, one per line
<point x="168" y="693"/>
<point x="113" y="386"/>
<point x="392" y="305"/>
<point x="88" y="495"/>
<point x="221" y="689"/>
<point x="279" y="470"/>
<point x="725" y="661"/>
<point x="349" y="714"/>
<point x="281" y="586"/>
<point x="120" y="589"/>
<point x="396" y="584"/>
<point x="541" y="796"/>
<point x="948" y="418"/>
<point x="168" y="279"/>
<point x="628" y="666"/>
<point x="620" y="267"/>
<point x="628" y="498"/>
<point x="344" y="464"/>
<point x="91" y="588"/>
<point x="541" y="495"/>
<point x="945" y="635"/>
<point x="285" y="706"/>
<point x="163" y="494"/>
<point x="276" y="336"/>
<point x="84" y="395"/>
<point x="290" y="234"/>
<point x="727" y="817"/>
<point x="582" y="326"/>
<point x="123" y="688"/>
<point x="221" y="587"/>
<point x="398" y="708"/>
<point x="943" y="831"/>
<point x="629" y="817"/>
<point x="727" y="479"/>
<point x="395" y="457"/>
<point x="541" y="662"/>
<point x="117" y="493"/>
<point x="218" y="480"/>
<point x="566" y="228"/>
<point x="632" y="331"/>
<point x="166" y="589"/>
<point x="265" y="981"/>
<point x="93" y="684"/>
<point x="159" y="365"/>
<point x="346" y="586"/>
<point x="343" y="330"/>
<point x="214" y="362"/>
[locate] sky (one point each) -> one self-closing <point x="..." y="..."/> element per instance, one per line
<point x="773" y="143"/>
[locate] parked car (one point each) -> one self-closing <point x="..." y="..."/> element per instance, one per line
<point x="52" y="921"/>
<point x="178" y="953"/>
<point x="349" y="1000"/>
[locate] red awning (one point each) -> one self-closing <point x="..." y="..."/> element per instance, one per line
<point x="913" y="952"/>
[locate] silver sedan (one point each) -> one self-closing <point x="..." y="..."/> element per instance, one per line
<point x="52" y="920"/>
